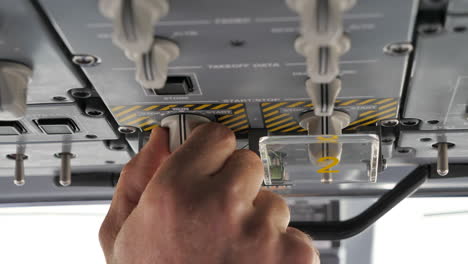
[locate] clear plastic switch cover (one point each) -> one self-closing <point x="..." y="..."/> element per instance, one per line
<point x="296" y="161"/>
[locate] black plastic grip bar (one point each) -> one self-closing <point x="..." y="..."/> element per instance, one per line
<point x="338" y="230"/>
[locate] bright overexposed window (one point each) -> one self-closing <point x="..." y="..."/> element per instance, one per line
<point x="423" y="230"/>
<point x="51" y="234"/>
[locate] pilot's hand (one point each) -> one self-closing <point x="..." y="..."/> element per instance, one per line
<point x="202" y="204"/>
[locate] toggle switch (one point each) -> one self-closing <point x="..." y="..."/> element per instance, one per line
<point x="442" y="159"/>
<point x="65" y="168"/>
<point x="14" y="81"/>
<point x="180" y="126"/>
<point x="152" y="67"/>
<point x="321" y="20"/>
<point x="134" y="22"/>
<point x="323" y="96"/>
<point x="322" y="61"/>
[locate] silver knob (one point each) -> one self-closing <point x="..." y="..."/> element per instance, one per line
<point x="180" y="126"/>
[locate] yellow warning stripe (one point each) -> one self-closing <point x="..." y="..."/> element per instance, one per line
<point x="238" y="124"/>
<point x="368" y="112"/>
<point x="167" y="107"/>
<point x="349" y="102"/>
<point x="372" y="116"/>
<point x="387" y="105"/>
<point x="128" y="110"/>
<point x="151" y="108"/>
<point x="234" y="119"/>
<point x="189" y="105"/>
<point x="202" y="106"/>
<point x="284" y="126"/>
<point x="235" y="106"/>
<point x="219" y="106"/>
<point x="296" y="104"/>
<point x="383" y="101"/>
<point x="271" y="113"/>
<point x="279" y="122"/>
<point x="265" y="104"/>
<point x="138" y="120"/>
<point x="276" y="117"/>
<point x="117" y="108"/>
<point x="274" y="106"/>
<point x="239" y="111"/>
<point x="149" y="122"/>
<point x="373" y="121"/>
<point x="127" y="118"/>
<point x="150" y="128"/>
<point x="309" y="105"/>
<point x="291" y="129"/>
<point x="366" y="101"/>
<point x="301" y="130"/>
<point x="241" y="128"/>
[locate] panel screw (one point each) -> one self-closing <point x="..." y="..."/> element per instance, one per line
<point x="127" y="130"/>
<point x="390" y="122"/>
<point x="86" y="60"/>
<point x="65" y="168"/>
<point x="19" y="168"/>
<point x="398" y="49"/>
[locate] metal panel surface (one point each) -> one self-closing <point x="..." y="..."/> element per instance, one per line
<point x="25" y="38"/>
<point x="90" y="128"/>
<point x="42" y="160"/>
<point x="439" y="88"/>
<point x="264" y="69"/>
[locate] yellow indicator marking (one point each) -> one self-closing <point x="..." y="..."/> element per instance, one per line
<point x="149" y="122"/>
<point x="276" y="117"/>
<point x="219" y="106"/>
<point x="272" y="113"/>
<point x="189" y="105"/>
<point x="283" y="126"/>
<point x="296" y="104"/>
<point x="326" y="169"/>
<point x="151" y="108"/>
<point x="239" y="111"/>
<point x="241" y="128"/>
<point x="235" y="106"/>
<point x="138" y="120"/>
<point x="388" y="105"/>
<point x="117" y="108"/>
<point x="372" y="116"/>
<point x="128" y="110"/>
<point x="349" y="102"/>
<point x="167" y="107"/>
<point x="234" y="119"/>
<point x="367" y="101"/>
<point x="273" y="107"/>
<point x="127" y="118"/>
<point x="279" y="122"/>
<point x="291" y="129"/>
<point x="202" y="107"/>
<point x="384" y="101"/>
<point x="238" y="124"/>
<point x="368" y="112"/>
<point x="332" y="139"/>
<point x="373" y="121"/>
<point x="150" y="128"/>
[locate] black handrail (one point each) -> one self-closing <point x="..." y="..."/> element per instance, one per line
<point x="338" y="230"/>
